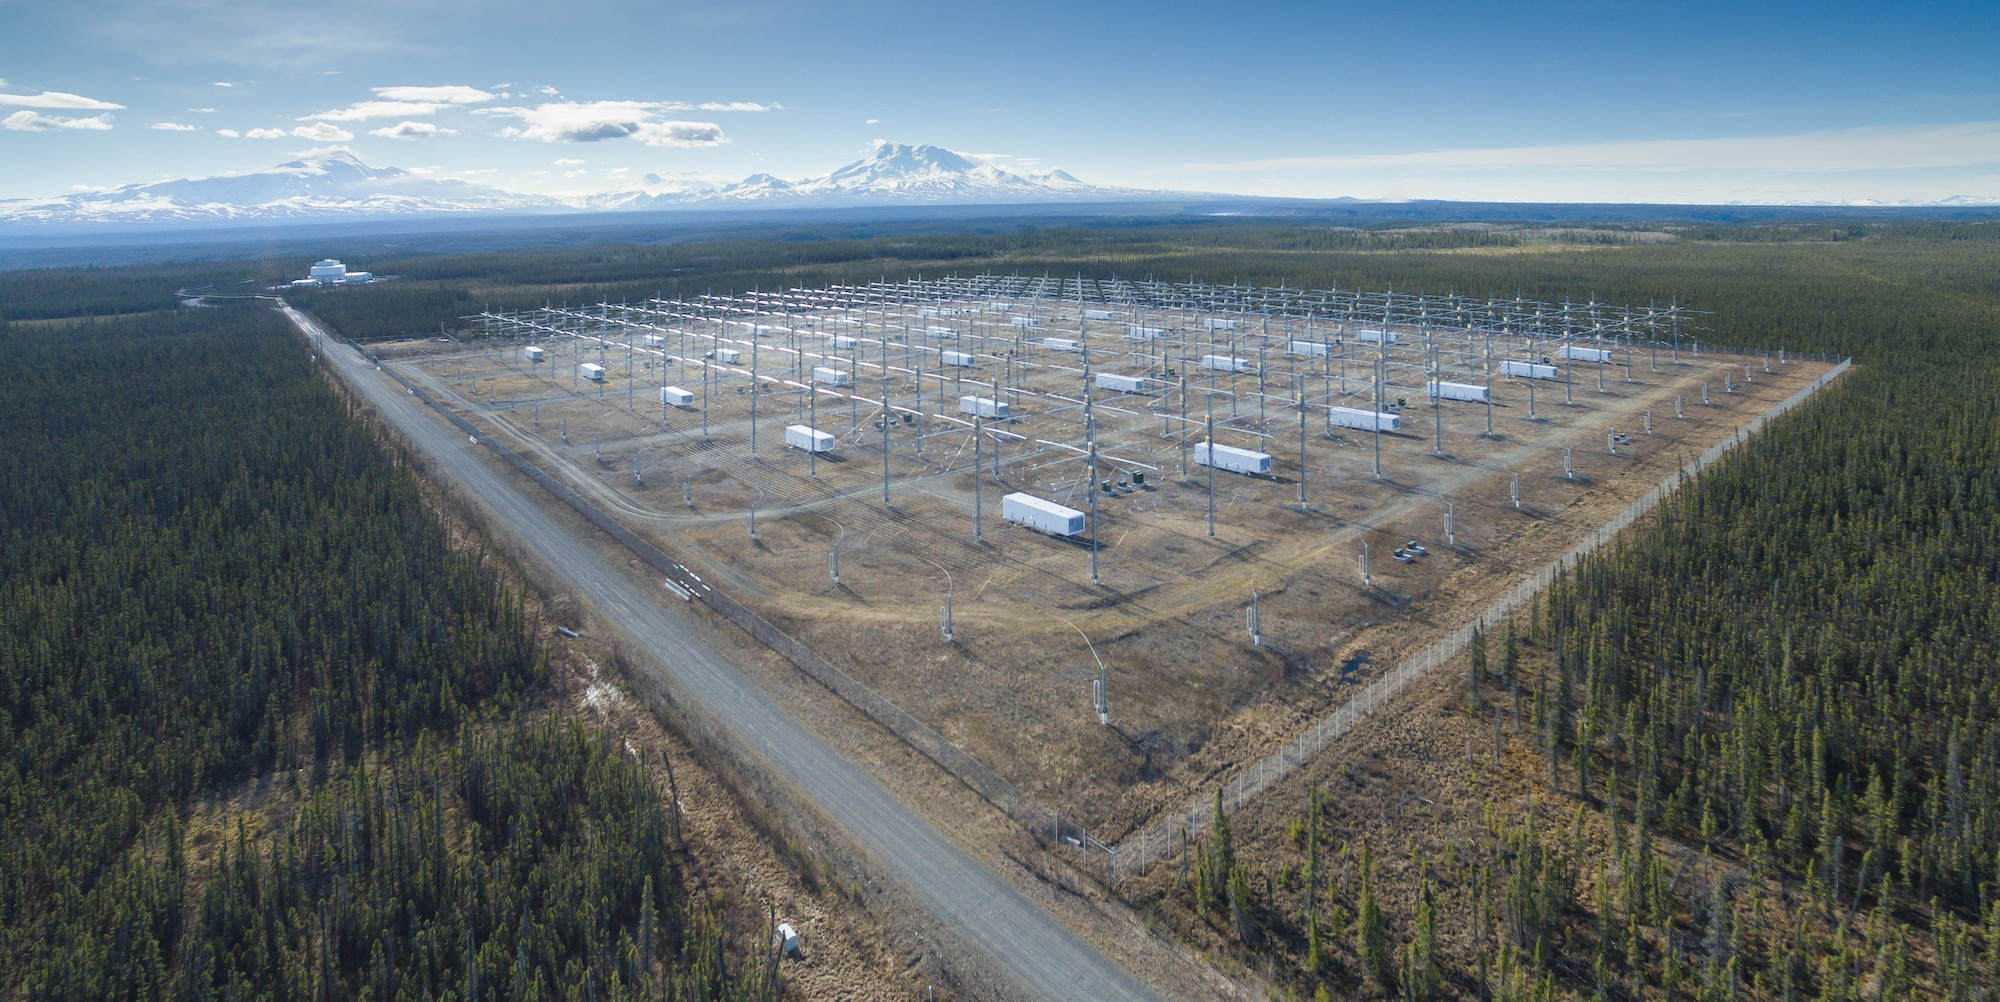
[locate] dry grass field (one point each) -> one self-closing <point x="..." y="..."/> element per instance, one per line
<point x="1191" y="698"/>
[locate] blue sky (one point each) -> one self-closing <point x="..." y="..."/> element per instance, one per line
<point x="1703" y="102"/>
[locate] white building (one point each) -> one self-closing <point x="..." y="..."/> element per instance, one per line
<point x="332" y="272"/>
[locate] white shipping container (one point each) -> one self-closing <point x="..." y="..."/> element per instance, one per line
<point x="1360" y="420"/>
<point x="676" y="396"/>
<point x="1099" y="314"/>
<point x="956" y="358"/>
<point x="1219" y="324"/>
<point x="591" y="371"/>
<point x="1527" y="370"/>
<point x="1231" y="458"/>
<point x="1061" y="344"/>
<point x="1314" y="349"/>
<point x="1225" y="363"/>
<point x="1585" y="354"/>
<point x="1375" y="337"/>
<point x="1026" y="322"/>
<point x="532" y="353"/>
<point x="652" y="340"/>
<point x="811" y="439"/>
<point x="1041" y="515"/>
<point x="843" y="341"/>
<point x="728" y="355"/>
<point x="831" y="377"/>
<point x="1001" y="307"/>
<point x="1121" y="384"/>
<point x="1456" y="391"/>
<point x="1145" y="333"/>
<point x="985" y="408"/>
<point x="936" y="331"/>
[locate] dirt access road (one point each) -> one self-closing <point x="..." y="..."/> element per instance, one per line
<point x="1022" y="940"/>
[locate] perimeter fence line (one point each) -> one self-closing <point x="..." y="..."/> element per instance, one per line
<point x="1157" y="841"/>
<point x="1023" y="809"/>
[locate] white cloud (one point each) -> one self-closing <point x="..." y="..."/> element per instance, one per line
<point x="412" y="130"/>
<point x="203" y="111"/>
<point x="873" y="121"/>
<point x="569" y="162"/>
<point x="447" y="94"/>
<point x="589" y="122"/>
<point x="737" y="106"/>
<point x="362" y="111"/>
<point x="265" y="134"/>
<point x="174" y="127"/>
<point x="224" y="83"/>
<point x="546" y="89"/>
<point x="58" y="99"/>
<point x="28" y="121"/>
<point x="680" y="134"/>
<point x="320" y="132"/>
<point x="229" y="133"/>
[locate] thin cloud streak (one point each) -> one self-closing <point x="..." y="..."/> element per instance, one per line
<point x="55" y="99"/>
<point x="1880" y="148"/>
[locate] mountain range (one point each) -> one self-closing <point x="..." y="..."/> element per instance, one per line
<point x="335" y="184"/>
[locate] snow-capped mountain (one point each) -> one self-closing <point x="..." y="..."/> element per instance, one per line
<point x="321" y="185"/>
<point x="651" y="191"/>
<point x="899" y="174"/>
<point x="335" y="185"/>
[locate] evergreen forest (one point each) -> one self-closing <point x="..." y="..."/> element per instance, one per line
<point x="266" y="734"/>
<point x="1759" y="738"/>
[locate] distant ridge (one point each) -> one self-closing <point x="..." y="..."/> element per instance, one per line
<point x="335" y="184"/>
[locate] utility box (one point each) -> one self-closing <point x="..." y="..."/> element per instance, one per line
<point x="728" y="355"/>
<point x="1225" y="363"/>
<point x="1025" y="322"/>
<point x="1309" y="349"/>
<point x="1360" y="420"/>
<point x="1121" y="384"/>
<point x="811" y="439"/>
<point x="1041" y="515"/>
<point x="1219" y="324"/>
<point x="1527" y="370"/>
<point x="1376" y="337"/>
<point x="1061" y="344"/>
<point x="676" y="396"/>
<point x="591" y="371"/>
<point x="1584" y="354"/>
<point x="982" y="407"/>
<point x="1139" y="333"/>
<point x="1456" y="391"/>
<point x="1231" y="458"/>
<point x="652" y="340"/>
<point x="829" y="377"/>
<point x="958" y="358"/>
<point x="1099" y="314"/>
<point x="532" y="353"/>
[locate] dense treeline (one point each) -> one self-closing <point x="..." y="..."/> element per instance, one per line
<point x="1790" y="676"/>
<point x="216" y="584"/>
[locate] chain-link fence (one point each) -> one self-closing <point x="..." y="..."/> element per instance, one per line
<point x="983" y="780"/>
<point x="1149" y="845"/>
